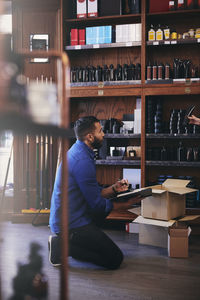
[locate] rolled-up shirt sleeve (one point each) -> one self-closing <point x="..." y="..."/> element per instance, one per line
<point x="85" y="174"/>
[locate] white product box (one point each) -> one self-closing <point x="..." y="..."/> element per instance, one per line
<point x="125" y="33"/>
<point x="137" y="122"/>
<point x="138" y="32"/>
<point x="132" y="32"/>
<point x="118" y="33"/>
<point x="81" y="9"/>
<point x="92" y="8"/>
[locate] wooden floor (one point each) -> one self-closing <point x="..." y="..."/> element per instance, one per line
<point x="146" y="273"/>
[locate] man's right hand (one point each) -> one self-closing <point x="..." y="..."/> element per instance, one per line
<point x="128" y="204"/>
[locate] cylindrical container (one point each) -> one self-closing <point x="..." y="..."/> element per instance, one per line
<point x="155" y="71"/>
<point x="191" y="33"/>
<point x="167" y="71"/>
<point x="149" y="71"/>
<point x="174" y="35"/>
<point x="160" y="72"/>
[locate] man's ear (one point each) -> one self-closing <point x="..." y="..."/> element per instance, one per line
<point x="90" y="137"/>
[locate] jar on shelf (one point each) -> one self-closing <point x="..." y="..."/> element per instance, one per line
<point x="191" y="33"/>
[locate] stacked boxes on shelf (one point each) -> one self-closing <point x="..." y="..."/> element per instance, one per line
<point x="106" y="34"/>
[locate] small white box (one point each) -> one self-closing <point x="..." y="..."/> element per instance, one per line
<point x="132" y="32"/>
<point x="125" y="33"/>
<point x="118" y="33"/>
<point x="138" y="32"/>
<point x="81" y="9"/>
<point x="92" y="8"/>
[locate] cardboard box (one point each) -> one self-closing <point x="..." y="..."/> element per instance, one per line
<point x="178" y="241"/>
<point x="167" y="201"/>
<point x="178" y="237"/>
<point x="153" y="232"/>
<point x="81" y="9"/>
<point x="92" y="8"/>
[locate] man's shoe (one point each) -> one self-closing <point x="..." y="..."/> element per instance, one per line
<point x="54" y="250"/>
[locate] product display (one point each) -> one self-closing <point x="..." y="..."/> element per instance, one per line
<point x="166" y="33"/>
<point x="182" y="69"/>
<point x="106" y="73"/>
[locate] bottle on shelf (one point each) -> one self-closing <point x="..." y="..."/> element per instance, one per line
<point x="159" y="34"/>
<point x="155" y="71"/>
<point x="167" y="71"/>
<point x="151" y="34"/>
<point x="174" y="35"/>
<point x="167" y="33"/>
<point x="160" y="71"/>
<point x="181" y="155"/>
<point x="149" y="72"/>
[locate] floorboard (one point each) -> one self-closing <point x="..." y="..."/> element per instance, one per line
<point x="147" y="273"/>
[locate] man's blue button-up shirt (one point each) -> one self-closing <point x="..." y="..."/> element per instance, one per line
<point x="84" y="191"/>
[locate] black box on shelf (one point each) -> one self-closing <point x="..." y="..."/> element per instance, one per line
<point x="110" y="7"/>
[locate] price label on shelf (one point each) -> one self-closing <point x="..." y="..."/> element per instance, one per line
<point x="100" y="93"/>
<point x="198" y="40"/>
<point x="155" y="43"/>
<point x="77" y="47"/>
<point x="167" y="42"/>
<point x="96" y="46"/>
<point x="173" y="42"/>
<point x="128" y="44"/>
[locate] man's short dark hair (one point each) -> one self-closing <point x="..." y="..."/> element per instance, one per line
<point x="84" y="125"/>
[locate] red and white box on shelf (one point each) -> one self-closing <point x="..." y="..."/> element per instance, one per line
<point x="74" y="37"/>
<point x="81" y="9"/>
<point x="81" y="36"/>
<point x="92" y="8"/>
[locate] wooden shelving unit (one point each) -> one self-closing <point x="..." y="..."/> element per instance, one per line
<point x="106" y="101"/>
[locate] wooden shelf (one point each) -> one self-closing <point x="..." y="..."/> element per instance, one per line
<point x="116" y="19"/>
<point x="122" y="136"/>
<point x="115" y="90"/>
<point x="187" y="88"/>
<point x="173" y="42"/>
<point x="103" y="46"/>
<point x="172" y="136"/>
<point x="101" y="84"/>
<point x="115" y="162"/>
<point x="151" y="163"/>
<point x="176" y="13"/>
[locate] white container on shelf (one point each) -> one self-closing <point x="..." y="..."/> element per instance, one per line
<point x="43" y="105"/>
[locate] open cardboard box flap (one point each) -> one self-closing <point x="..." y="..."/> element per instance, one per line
<point x="142" y="220"/>
<point x="177" y="186"/>
<point x="179" y="183"/>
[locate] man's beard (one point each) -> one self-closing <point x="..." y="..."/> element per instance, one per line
<point x="97" y="143"/>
